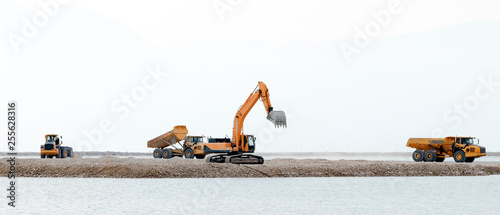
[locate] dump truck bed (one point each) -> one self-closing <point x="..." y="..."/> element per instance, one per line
<point x="171" y="137"/>
<point x="430" y="143"/>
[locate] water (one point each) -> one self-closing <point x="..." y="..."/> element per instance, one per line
<point x="371" y="195"/>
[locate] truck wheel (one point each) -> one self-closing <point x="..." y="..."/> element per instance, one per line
<point x="167" y="153"/>
<point x="439" y="159"/>
<point x="157" y="153"/>
<point x="418" y="155"/>
<point x="188" y="153"/>
<point x="59" y="153"/>
<point x="70" y="153"/>
<point x="200" y="156"/>
<point x="64" y="152"/>
<point x="42" y="155"/>
<point x="469" y="160"/>
<point x="430" y="156"/>
<point x="459" y="156"/>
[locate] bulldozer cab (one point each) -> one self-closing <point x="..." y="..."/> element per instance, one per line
<point x="50" y="137"/>
<point x="53" y="138"/>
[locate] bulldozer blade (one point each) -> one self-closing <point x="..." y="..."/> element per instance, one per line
<point x="278" y="118"/>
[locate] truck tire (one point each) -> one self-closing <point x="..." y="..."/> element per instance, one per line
<point x="157" y="153"/>
<point x="42" y="155"/>
<point x="70" y="153"/>
<point x="439" y="159"/>
<point x="59" y="153"/>
<point x="64" y="152"/>
<point x="188" y="153"/>
<point x="469" y="160"/>
<point x="459" y="156"/>
<point x="167" y="153"/>
<point x="430" y="156"/>
<point x="418" y="155"/>
<point x="200" y="156"/>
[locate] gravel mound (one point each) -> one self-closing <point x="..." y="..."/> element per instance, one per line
<point x="113" y="167"/>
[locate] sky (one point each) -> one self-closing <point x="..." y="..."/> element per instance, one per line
<point x="352" y="76"/>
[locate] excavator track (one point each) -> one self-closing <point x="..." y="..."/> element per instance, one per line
<point x="235" y="159"/>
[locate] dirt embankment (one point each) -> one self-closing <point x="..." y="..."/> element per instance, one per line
<point x="111" y="167"/>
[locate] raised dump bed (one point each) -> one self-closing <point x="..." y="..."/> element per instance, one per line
<point x="171" y="137"/>
<point x="168" y="139"/>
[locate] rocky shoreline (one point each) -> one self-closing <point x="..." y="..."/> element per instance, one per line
<point x="113" y="167"/>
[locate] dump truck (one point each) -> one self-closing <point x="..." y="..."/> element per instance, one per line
<point x="176" y="143"/>
<point x="53" y="147"/>
<point x="238" y="149"/>
<point x="462" y="149"/>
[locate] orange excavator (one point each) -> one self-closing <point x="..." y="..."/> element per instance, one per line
<point x="242" y="144"/>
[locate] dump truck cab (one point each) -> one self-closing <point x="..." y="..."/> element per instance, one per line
<point x="469" y="147"/>
<point x="52" y="147"/>
<point x="193" y="140"/>
<point x="193" y="147"/>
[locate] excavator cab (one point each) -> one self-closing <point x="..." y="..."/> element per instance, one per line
<point x="250" y="140"/>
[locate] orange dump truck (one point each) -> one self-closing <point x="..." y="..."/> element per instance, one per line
<point x="169" y="140"/>
<point x="169" y="145"/>
<point x="462" y="149"/>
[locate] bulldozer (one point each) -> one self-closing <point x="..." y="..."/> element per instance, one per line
<point x="238" y="149"/>
<point x="53" y="147"/>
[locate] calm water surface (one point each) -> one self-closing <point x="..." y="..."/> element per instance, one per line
<point x="374" y="195"/>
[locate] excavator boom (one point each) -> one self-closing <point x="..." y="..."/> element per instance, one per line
<point x="241" y="143"/>
<point x="277" y="117"/>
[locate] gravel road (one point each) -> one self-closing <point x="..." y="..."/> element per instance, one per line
<point x="113" y="167"/>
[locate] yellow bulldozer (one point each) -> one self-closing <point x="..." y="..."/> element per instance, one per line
<point x="53" y="147"/>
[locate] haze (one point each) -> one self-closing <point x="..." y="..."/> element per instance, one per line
<point x="109" y="76"/>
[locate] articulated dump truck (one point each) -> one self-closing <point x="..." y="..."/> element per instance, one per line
<point x="462" y="149"/>
<point x="165" y="144"/>
<point x="170" y="145"/>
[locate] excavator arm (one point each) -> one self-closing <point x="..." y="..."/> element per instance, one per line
<point x="277" y="117"/>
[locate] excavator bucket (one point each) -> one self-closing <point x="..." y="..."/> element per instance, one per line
<point x="278" y="118"/>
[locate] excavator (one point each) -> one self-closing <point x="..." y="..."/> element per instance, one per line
<point x="242" y="144"/>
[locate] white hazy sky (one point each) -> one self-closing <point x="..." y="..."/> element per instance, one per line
<point x="422" y="75"/>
